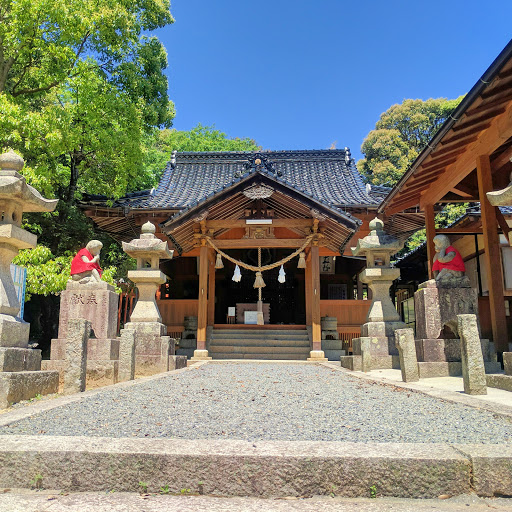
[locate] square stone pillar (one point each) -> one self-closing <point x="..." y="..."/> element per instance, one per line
<point x="78" y="331"/>
<point x="473" y="370"/>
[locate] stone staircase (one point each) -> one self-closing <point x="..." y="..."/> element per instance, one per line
<point x="259" y="344"/>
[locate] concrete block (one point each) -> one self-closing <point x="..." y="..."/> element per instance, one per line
<point x="492" y="468"/>
<point x="507" y="362"/>
<point x="19" y="359"/>
<point x="177" y="362"/>
<point x="404" y="339"/>
<point x="499" y="381"/>
<point x="127" y="355"/>
<point x="473" y="370"/>
<point x="17" y="386"/>
<point x="101" y="373"/>
<point x="78" y="331"/>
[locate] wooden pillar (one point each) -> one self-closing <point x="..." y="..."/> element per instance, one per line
<point x="315" y="298"/>
<point x="430" y="229"/>
<point x="201" y="352"/>
<point x="492" y="256"/>
<point x="316" y="353"/>
<point x="307" y="287"/>
<point x="211" y="287"/>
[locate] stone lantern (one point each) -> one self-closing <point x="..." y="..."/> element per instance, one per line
<point x="148" y="250"/>
<point x="377" y="334"/>
<point x="153" y="350"/>
<point x="17" y="197"/>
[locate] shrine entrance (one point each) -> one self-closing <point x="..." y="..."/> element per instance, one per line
<point x="283" y="303"/>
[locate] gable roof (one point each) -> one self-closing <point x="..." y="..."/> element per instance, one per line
<point x="329" y="176"/>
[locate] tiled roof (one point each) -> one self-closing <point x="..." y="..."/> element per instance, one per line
<point x="329" y="176"/>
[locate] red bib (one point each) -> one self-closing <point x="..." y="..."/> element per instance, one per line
<point x="78" y="265"/>
<point x="456" y="264"/>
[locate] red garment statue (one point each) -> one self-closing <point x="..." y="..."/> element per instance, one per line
<point x="78" y="265"/>
<point x="456" y="264"/>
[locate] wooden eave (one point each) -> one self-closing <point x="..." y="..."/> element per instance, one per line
<point x="288" y="205"/>
<point x="480" y="125"/>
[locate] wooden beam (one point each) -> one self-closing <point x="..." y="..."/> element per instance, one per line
<point x="203" y="298"/>
<point x="397" y="207"/>
<point x="430" y="234"/>
<point x="463" y="135"/>
<point x="241" y="223"/>
<point x="492" y="256"/>
<point x="460" y="231"/>
<point x="253" y="243"/>
<point x="315" y="299"/>
<point x="463" y="191"/>
<point x="473" y="121"/>
<point x="498" y="133"/>
<point x="502" y="222"/>
<point x="502" y="159"/>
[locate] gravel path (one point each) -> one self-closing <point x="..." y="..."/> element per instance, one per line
<point x="268" y="401"/>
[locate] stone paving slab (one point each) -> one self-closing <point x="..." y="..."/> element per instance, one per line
<point x="51" y="501"/>
<point x="234" y="468"/>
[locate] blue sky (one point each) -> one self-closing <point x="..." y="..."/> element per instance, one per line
<point x="296" y="74"/>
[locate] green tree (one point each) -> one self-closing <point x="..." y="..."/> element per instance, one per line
<point x="400" y="135"/>
<point x="160" y="145"/>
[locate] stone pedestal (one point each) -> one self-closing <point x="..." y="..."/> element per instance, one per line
<point x="96" y="302"/>
<point x="436" y="308"/>
<point x="152" y="347"/>
<point x="20" y="377"/>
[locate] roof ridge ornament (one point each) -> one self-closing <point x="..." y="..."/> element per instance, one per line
<point x="258" y="162"/>
<point x="258" y="191"/>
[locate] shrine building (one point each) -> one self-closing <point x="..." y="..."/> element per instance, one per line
<point x="295" y="214"/>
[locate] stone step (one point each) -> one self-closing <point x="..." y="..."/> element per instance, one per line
<point x="260" y="342"/>
<point x="271" y="469"/>
<point x="277" y="335"/>
<point x="260" y="355"/>
<point x="258" y="349"/>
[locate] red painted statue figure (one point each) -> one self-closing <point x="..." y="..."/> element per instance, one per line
<point x="448" y="263"/>
<point x="85" y="266"/>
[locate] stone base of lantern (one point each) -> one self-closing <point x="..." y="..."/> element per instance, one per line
<point x="355" y="363"/>
<point x="152" y="348"/>
<point x="19" y="359"/>
<point x="14" y="332"/>
<point x="102" y="361"/>
<point x="17" y="386"/>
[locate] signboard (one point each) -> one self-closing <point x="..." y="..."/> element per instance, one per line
<point x="251" y="317"/>
<point x="231" y="311"/>
<point x="327" y="264"/>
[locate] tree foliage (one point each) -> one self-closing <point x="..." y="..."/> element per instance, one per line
<point x="162" y="143"/>
<point x="400" y="135"/>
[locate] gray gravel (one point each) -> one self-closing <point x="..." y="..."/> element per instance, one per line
<point x="268" y="401"/>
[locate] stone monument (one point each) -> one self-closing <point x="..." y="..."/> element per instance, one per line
<point x="21" y="377"/>
<point x="437" y="303"/>
<point x="154" y="353"/>
<point x="87" y="297"/>
<point x="383" y="318"/>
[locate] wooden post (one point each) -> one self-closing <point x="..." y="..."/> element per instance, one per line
<point x="316" y="353"/>
<point x="430" y="234"/>
<point x="201" y="353"/>
<point x="307" y="287"/>
<point x="211" y="287"/>
<point x="492" y="256"/>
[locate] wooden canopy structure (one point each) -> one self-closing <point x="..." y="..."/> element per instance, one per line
<point x="469" y="156"/>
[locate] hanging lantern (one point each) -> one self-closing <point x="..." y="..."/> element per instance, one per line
<point x="302" y="260"/>
<point x="218" y="263"/>
<point x="282" y="275"/>
<point x="258" y="282"/>
<point x="237" y="276"/>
